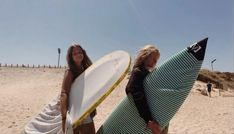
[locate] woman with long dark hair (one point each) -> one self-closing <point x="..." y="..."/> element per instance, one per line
<point x="78" y="61"/>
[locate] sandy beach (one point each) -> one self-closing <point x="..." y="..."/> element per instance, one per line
<point x="24" y="92"/>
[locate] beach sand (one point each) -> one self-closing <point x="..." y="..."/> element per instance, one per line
<point x="24" y="92"/>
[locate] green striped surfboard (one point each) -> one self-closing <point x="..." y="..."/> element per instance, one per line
<point x="166" y="89"/>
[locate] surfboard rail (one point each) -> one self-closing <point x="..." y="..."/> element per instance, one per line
<point x="103" y="97"/>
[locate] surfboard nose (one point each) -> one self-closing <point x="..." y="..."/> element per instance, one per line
<point x="198" y="49"/>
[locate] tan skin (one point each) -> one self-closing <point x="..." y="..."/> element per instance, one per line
<point x="150" y="63"/>
<point x="77" y="56"/>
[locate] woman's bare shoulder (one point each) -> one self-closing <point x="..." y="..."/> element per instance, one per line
<point x="67" y="73"/>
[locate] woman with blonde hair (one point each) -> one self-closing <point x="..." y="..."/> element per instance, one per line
<point x="78" y="61"/>
<point x="145" y="61"/>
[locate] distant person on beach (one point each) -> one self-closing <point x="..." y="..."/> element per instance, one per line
<point x="78" y="61"/>
<point x="209" y="88"/>
<point x="145" y="61"/>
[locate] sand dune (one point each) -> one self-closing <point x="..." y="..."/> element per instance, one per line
<point x="24" y="92"/>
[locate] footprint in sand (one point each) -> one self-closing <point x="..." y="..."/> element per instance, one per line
<point x="14" y="125"/>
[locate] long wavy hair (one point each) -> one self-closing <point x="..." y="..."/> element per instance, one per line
<point x="86" y="62"/>
<point x="144" y="53"/>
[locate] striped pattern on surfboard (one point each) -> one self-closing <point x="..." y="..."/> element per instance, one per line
<point x="166" y="89"/>
<point x="171" y="95"/>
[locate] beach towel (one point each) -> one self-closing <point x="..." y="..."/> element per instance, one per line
<point x="48" y="121"/>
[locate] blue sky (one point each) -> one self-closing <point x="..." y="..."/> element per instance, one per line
<point x="32" y="30"/>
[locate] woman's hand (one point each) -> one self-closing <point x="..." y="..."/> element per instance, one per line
<point x="154" y="127"/>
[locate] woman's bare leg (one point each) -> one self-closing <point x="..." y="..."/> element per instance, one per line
<point x="88" y="128"/>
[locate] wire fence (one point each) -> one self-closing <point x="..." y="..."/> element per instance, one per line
<point x="30" y="66"/>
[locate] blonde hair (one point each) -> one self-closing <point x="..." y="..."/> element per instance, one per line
<point x="144" y="53"/>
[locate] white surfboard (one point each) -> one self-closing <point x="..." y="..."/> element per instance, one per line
<point x="95" y="84"/>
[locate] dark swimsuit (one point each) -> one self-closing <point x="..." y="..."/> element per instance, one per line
<point x="135" y="87"/>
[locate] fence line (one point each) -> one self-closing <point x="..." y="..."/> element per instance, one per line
<point x="30" y="66"/>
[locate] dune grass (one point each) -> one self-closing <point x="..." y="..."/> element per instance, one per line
<point x="222" y="80"/>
